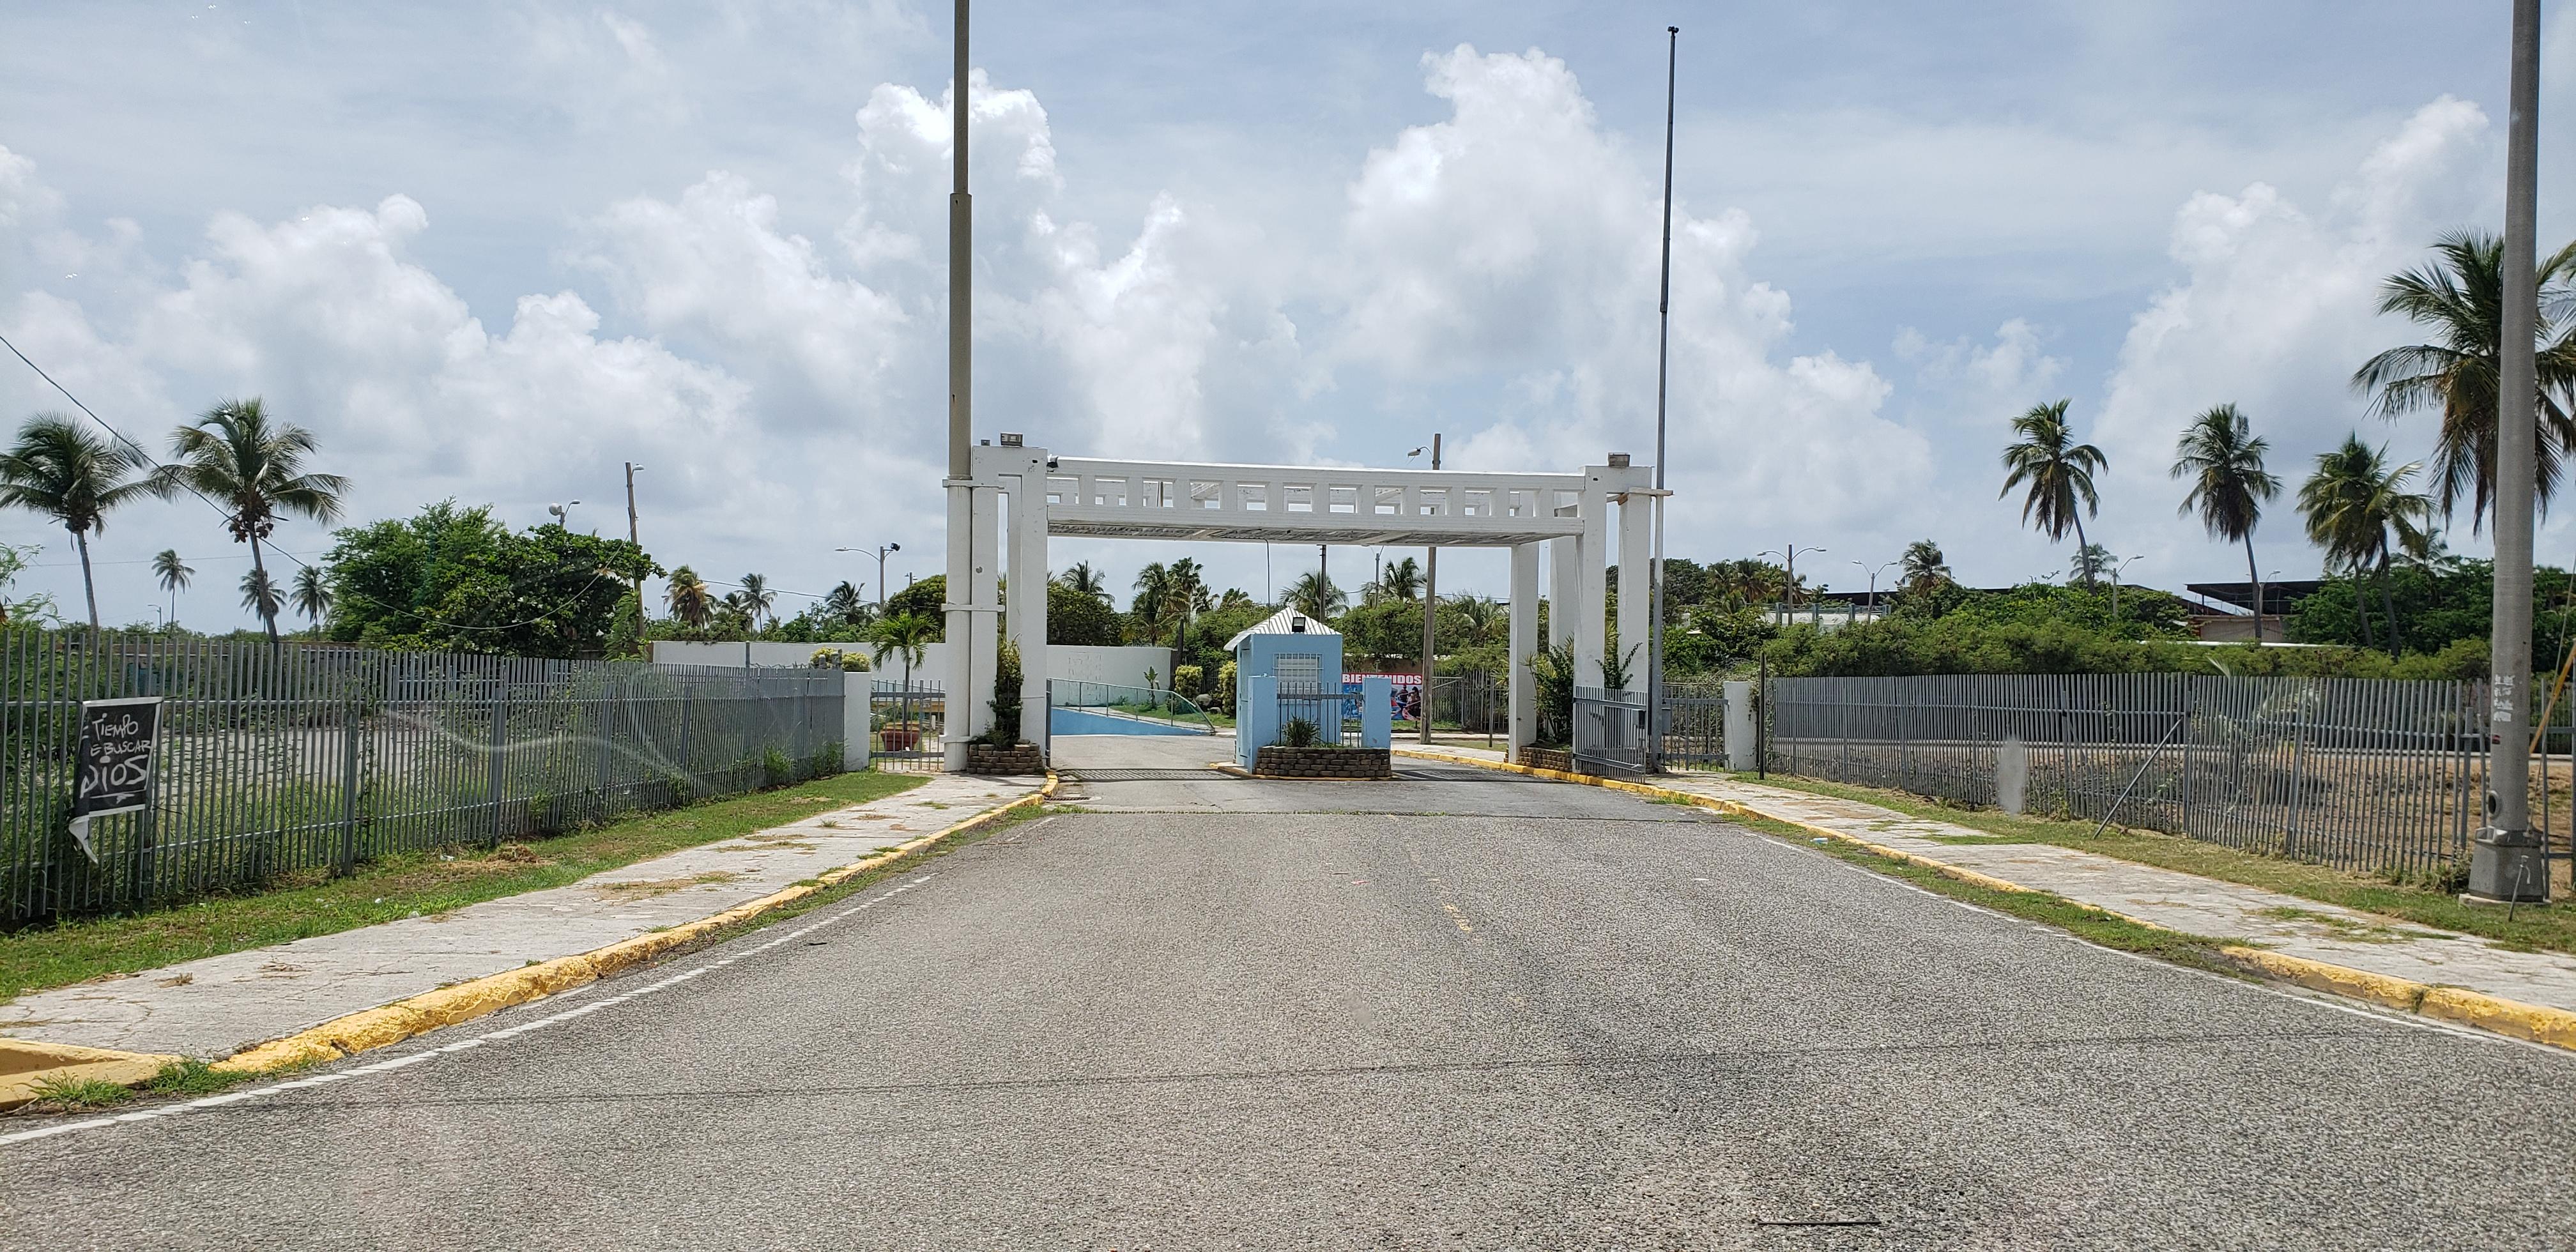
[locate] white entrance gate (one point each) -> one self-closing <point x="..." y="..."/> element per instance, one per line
<point x="1570" y="515"/>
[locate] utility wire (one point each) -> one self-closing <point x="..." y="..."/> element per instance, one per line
<point x="128" y="441"/>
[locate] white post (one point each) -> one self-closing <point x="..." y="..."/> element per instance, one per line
<point x="1029" y="578"/>
<point x="1592" y="580"/>
<point x="1524" y="641"/>
<point x="958" y="621"/>
<point x="1564" y="557"/>
<point x="986" y="621"/>
<point x="1636" y="598"/>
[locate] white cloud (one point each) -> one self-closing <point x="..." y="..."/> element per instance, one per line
<point x="2273" y="310"/>
<point x="1517" y="238"/>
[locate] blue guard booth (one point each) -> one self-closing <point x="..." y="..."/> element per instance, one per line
<point x="1292" y="652"/>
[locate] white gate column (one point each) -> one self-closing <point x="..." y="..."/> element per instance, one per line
<point x="1564" y="557"/>
<point x="956" y="628"/>
<point x="1522" y="684"/>
<point x="1592" y="579"/>
<point x="1636" y="560"/>
<point x="1029" y="582"/>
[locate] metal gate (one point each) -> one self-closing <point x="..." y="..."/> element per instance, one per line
<point x="906" y="724"/>
<point x="1610" y="729"/>
<point x="1695" y="726"/>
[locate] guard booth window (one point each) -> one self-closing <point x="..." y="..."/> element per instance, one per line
<point x="1300" y="671"/>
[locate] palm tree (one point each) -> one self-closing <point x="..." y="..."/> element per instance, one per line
<point x="1314" y="595"/>
<point x="59" y="469"/>
<point x="1400" y="580"/>
<point x="842" y="602"/>
<point x="1085" y="580"/>
<point x="253" y="469"/>
<point x="173" y="574"/>
<point x="2359" y="510"/>
<point x="312" y="596"/>
<point x="2460" y="298"/>
<point x="2092" y="561"/>
<point x="757" y="599"/>
<point x="259" y="595"/>
<point x="2057" y="470"/>
<point x="688" y="597"/>
<point x="1185" y="596"/>
<point x="1153" y="596"/>
<point x="905" y="635"/>
<point x="1923" y="567"/>
<point x="1235" y="598"/>
<point x="2223" y="460"/>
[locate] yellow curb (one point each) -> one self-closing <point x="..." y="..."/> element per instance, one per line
<point x="2535" y="1022"/>
<point x="465" y="1001"/>
<point x="26" y="1065"/>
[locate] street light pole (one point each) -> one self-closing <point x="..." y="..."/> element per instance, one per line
<point x="2115" y="593"/>
<point x="1663" y="375"/>
<point x="2506" y="862"/>
<point x="1873" y="582"/>
<point x="1789" y="564"/>
<point x="633" y="537"/>
<point x="960" y="598"/>
<point x="881" y="550"/>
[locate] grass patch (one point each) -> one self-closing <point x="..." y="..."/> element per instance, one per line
<point x="2082" y="920"/>
<point x="408" y="884"/>
<point x="2551" y="928"/>
<point x="74" y="1095"/>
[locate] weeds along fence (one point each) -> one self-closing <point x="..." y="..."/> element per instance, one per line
<point x="2371" y="776"/>
<point x="315" y="759"/>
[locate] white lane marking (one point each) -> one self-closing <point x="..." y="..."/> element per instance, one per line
<point x="461" y="1045"/>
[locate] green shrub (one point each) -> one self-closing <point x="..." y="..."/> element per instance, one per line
<point x="1186" y="679"/>
<point x="1298" y="733"/>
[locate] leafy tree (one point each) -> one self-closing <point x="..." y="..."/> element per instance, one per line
<point x="2092" y="561"/>
<point x="1075" y="616"/>
<point x="1387" y="631"/>
<point x="2460" y="299"/>
<point x="844" y="605"/>
<point x="1153" y="600"/>
<point x="923" y="600"/>
<point x="2222" y="459"/>
<point x="1082" y="579"/>
<point x="253" y="468"/>
<point x="1314" y="595"/>
<point x="689" y="599"/>
<point x="24" y="610"/>
<point x="2359" y="511"/>
<point x="757" y="600"/>
<point x="2056" y="472"/>
<point x="173" y="574"/>
<point x="904" y="636"/>
<point x="312" y="596"/>
<point x="1397" y="580"/>
<point x="58" y="468"/>
<point x="1923" y="567"/>
<point x="453" y="579"/>
<point x="259" y="594"/>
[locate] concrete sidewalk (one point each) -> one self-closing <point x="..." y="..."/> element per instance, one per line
<point x="223" y="1005"/>
<point x="2268" y="921"/>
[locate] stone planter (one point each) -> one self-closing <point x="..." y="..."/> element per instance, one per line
<point x="1019" y="758"/>
<point x="1558" y="759"/>
<point x="1280" y="761"/>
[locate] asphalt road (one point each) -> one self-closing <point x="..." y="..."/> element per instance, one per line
<point x="1451" y="1011"/>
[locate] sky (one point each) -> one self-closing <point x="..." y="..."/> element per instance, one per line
<point x="491" y="251"/>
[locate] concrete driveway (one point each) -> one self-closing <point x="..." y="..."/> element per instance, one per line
<point x="1453" y="1010"/>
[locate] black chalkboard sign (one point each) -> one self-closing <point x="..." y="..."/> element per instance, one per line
<point x="114" y="774"/>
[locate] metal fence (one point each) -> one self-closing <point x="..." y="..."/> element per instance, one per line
<point x="1332" y="711"/>
<point x="1148" y="704"/>
<point x="907" y="724"/>
<point x="1610" y="729"/>
<point x="1472" y="703"/>
<point x="319" y="758"/>
<point x="2359" y="774"/>
<point x="1695" y="725"/>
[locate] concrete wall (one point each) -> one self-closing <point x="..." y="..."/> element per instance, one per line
<point x="1125" y="666"/>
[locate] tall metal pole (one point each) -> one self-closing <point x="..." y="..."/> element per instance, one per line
<point x="633" y="536"/>
<point x="2505" y="859"/>
<point x="1663" y="359"/>
<point x="1430" y="611"/>
<point x="961" y="464"/>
